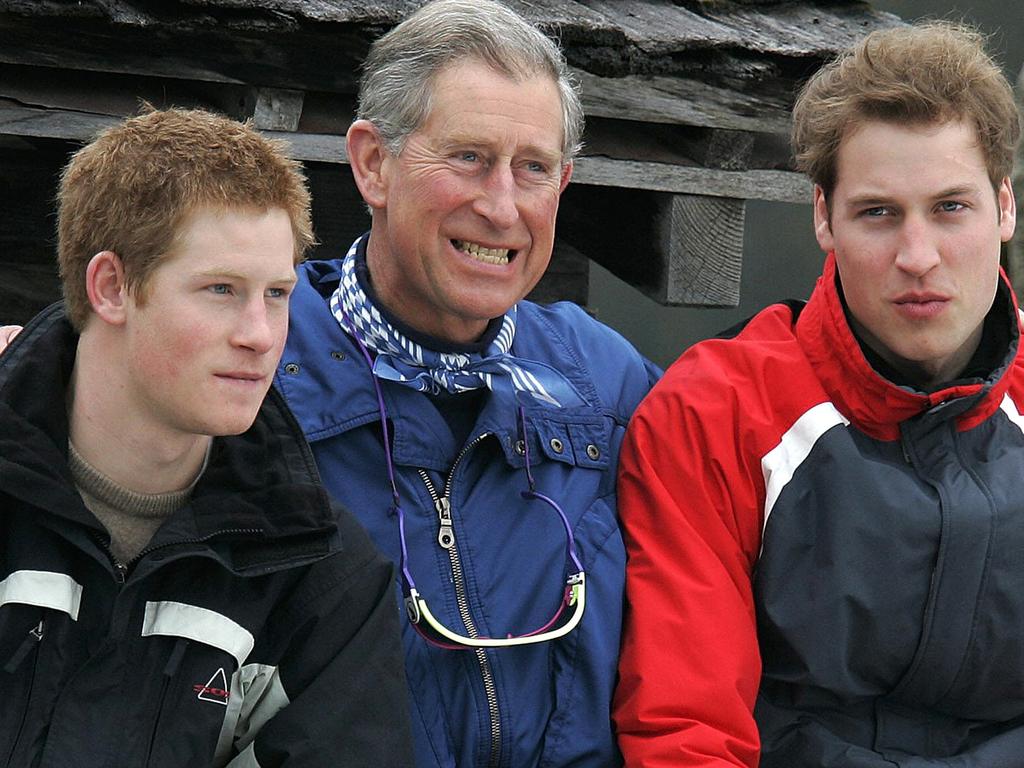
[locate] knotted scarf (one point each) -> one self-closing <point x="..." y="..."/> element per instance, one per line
<point x="402" y="360"/>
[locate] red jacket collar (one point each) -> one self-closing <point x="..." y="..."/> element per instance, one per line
<point x="873" y="403"/>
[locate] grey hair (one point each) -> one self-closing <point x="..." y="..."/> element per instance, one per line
<point x="396" y="86"/>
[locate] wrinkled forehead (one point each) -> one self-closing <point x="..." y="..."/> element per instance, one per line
<point x="470" y="92"/>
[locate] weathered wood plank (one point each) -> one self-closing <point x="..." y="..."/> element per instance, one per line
<point x="649" y="99"/>
<point x="348" y="11"/>
<point x="677" y="249"/>
<point x="312" y="38"/>
<point x="704" y="238"/>
<point x="659" y="27"/>
<point x="782" y="186"/>
<point x="16" y="120"/>
<point x="119" y="95"/>
<point x="299" y="59"/>
<point x="550" y="14"/>
<point x="729" y="150"/>
<point x="683" y="100"/>
<point x="277" y="109"/>
<point x="686" y="145"/>
<point x="800" y="29"/>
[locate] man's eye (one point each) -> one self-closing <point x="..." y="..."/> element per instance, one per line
<point x="875" y="212"/>
<point x="278" y="293"/>
<point x="469" y="157"/>
<point x="951" y="206"/>
<point x="221" y="289"/>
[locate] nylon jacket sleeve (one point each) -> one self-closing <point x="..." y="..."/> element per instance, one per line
<point x="690" y="666"/>
<point x="342" y="670"/>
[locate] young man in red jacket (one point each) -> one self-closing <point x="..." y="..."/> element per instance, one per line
<point x="822" y="507"/>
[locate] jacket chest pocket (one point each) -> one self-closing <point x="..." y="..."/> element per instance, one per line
<point x="20" y="640"/>
<point x="583" y="443"/>
<point x="212" y="702"/>
<point x="36" y="608"/>
<point x="192" y="692"/>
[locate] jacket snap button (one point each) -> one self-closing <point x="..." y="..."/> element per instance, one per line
<point x="593" y="452"/>
<point x="292" y="368"/>
<point x="556" y="445"/>
<point x="338" y="354"/>
<point x="520" y="447"/>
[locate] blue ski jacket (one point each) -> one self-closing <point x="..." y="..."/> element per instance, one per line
<point x="536" y="705"/>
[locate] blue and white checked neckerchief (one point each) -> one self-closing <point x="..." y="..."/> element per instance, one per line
<point x="402" y="360"/>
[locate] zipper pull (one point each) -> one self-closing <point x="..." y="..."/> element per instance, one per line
<point x="35" y="636"/>
<point x="175" y="659"/>
<point x="446" y="534"/>
<point x="906" y="450"/>
<point x="120" y="572"/>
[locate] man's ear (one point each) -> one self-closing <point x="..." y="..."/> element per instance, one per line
<point x="822" y="225"/>
<point x="1007" y="209"/>
<point x="566" y="175"/>
<point x="366" y="155"/>
<point x="106" y="288"/>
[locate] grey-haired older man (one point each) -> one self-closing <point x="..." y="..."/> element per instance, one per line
<point x="475" y="434"/>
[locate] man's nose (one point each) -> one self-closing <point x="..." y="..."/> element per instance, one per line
<point x="254" y="329"/>
<point x="497" y="199"/>
<point x="917" y="249"/>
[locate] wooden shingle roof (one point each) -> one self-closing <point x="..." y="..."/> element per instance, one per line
<point x="687" y="106"/>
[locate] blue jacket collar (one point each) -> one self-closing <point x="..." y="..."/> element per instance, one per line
<point x="327" y="383"/>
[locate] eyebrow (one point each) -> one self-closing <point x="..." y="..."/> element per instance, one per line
<point x="456" y="142"/>
<point x="870" y="199"/>
<point x="218" y="274"/>
<point x="964" y="190"/>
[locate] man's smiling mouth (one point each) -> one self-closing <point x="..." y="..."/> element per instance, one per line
<point x="486" y="255"/>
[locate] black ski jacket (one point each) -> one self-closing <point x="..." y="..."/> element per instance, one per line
<point x="258" y="628"/>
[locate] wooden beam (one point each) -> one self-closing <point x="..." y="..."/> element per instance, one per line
<point x="704" y="251"/>
<point x="729" y="150"/>
<point x="781" y="186"/>
<point x="677" y="249"/>
<point x="277" y="109"/>
<point x="685" y="101"/>
<point x="52" y="123"/>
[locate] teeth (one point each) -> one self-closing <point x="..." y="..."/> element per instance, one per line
<point x="486" y="255"/>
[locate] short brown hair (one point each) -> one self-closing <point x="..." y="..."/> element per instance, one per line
<point x="130" y="189"/>
<point x="928" y="73"/>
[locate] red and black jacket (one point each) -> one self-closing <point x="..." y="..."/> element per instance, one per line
<point x="822" y="560"/>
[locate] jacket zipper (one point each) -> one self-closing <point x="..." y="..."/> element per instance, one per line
<point x="446" y="539"/>
<point x="32" y="641"/>
<point x="170" y="670"/>
<point x="122" y="570"/>
<point x="906" y="450"/>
